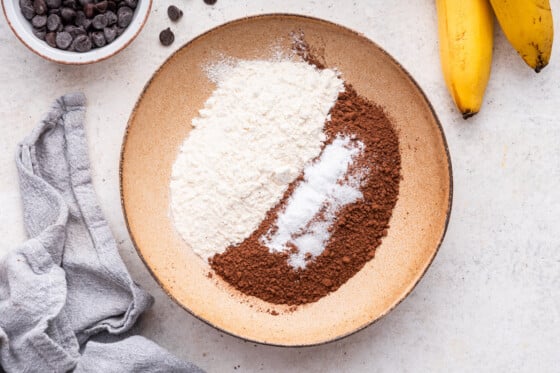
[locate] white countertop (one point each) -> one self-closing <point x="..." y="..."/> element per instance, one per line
<point x="491" y="299"/>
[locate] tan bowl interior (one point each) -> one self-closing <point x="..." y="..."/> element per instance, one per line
<point x="160" y="122"/>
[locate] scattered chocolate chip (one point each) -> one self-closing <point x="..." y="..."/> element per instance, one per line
<point x="166" y="37"/>
<point x="63" y="40"/>
<point x="67" y="15"/>
<point x="110" y="33"/>
<point x="40" y="33"/>
<point x="54" y="4"/>
<point x="39" y="21"/>
<point x="53" y="21"/>
<point x="98" y="38"/>
<point x="174" y="13"/>
<point x="99" y="22"/>
<point x="210" y="2"/>
<point x="124" y="15"/>
<point x="82" y="44"/>
<point x="40" y="7"/>
<point x="50" y="38"/>
<point x="111" y="18"/>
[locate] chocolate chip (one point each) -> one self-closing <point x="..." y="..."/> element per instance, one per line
<point x="174" y="13"/>
<point x="98" y="38"/>
<point x="50" y="38"/>
<point x="63" y="40"/>
<point x="39" y="21"/>
<point x="40" y="33"/>
<point x="99" y="22"/>
<point x="40" y="7"/>
<point x="131" y="3"/>
<point x="89" y="10"/>
<point x="80" y="25"/>
<point x="110" y="33"/>
<point x="111" y="18"/>
<point x="54" y="4"/>
<point x="86" y="23"/>
<point x="28" y="12"/>
<point x="75" y="31"/>
<point x="102" y="6"/>
<point x="210" y="2"/>
<point x="53" y="21"/>
<point x="124" y="15"/>
<point x="166" y="37"/>
<point x="70" y="4"/>
<point x="82" y="44"/>
<point x="112" y="6"/>
<point x="67" y="15"/>
<point x="80" y="18"/>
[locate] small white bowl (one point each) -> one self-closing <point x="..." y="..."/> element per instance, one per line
<point x="23" y="30"/>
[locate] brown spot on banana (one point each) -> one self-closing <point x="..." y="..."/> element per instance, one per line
<point x="541" y="63"/>
<point x="469" y="113"/>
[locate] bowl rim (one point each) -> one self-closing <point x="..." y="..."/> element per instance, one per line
<point x="409" y="76"/>
<point x="82" y="62"/>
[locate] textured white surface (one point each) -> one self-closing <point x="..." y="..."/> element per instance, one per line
<point x="491" y="299"/>
<point x="266" y="114"/>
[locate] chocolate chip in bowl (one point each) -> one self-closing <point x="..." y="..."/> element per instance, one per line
<point x="76" y="31"/>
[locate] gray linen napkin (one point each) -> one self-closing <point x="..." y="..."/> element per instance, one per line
<point x="67" y="283"/>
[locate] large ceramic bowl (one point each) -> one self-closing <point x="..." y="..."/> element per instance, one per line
<point x="160" y="122"/>
<point x="22" y="29"/>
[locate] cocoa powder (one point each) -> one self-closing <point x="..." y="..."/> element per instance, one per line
<point x="356" y="233"/>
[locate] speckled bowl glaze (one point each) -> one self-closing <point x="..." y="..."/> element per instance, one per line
<point x="22" y="29"/>
<point x="161" y="120"/>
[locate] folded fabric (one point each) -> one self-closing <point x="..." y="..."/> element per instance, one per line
<point x="66" y="290"/>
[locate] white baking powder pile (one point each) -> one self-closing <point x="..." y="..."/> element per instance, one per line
<point x="256" y="132"/>
<point x="327" y="186"/>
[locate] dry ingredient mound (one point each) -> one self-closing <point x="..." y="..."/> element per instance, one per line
<point x="329" y="183"/>
<point x="257" y="130"/>
<point x="356" y="231"/>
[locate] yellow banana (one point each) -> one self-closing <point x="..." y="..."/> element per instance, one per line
<point x="527" y="25"/>
<point x="465" y="45"/>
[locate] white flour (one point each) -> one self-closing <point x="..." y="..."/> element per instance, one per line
<point x="311" y="209"/>
<point x="256" y="132"/>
